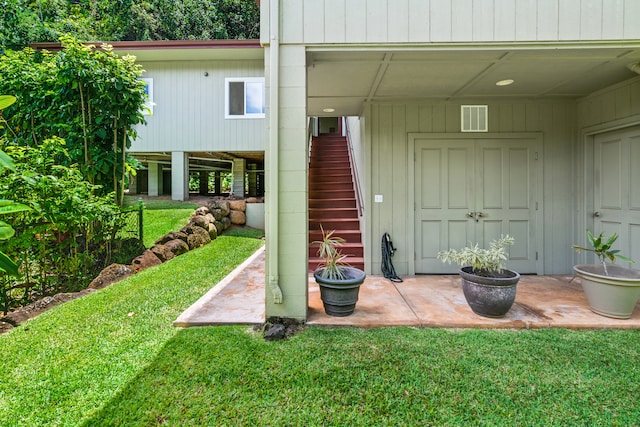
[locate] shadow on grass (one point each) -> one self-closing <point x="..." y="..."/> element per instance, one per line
<point x="390" y="376"/>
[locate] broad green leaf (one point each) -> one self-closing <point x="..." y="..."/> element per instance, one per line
<point x="7" y="265"/>
<point x="6" y="231"/>
<point x="6" y="101"/>
<point x="6" y="162"/>
<point x="11" y="207"/>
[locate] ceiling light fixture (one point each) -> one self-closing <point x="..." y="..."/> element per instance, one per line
<point x="329" y="110"/>
<point x="505" y="82"/>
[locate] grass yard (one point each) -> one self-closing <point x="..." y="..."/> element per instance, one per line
<point x="60" y="368"/>
<point x="162" y="216"/>
<point x="113" y="359"/>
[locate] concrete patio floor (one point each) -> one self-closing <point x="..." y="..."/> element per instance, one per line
<point x="419" y="301"/>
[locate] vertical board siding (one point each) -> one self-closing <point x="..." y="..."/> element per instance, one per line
<point x="189" y="109"/>
<point x="399" y="21"/>
<point x="614" y="104"/>
<point x="390" y="124"/>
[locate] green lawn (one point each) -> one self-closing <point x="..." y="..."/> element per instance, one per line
<point x="162" y="216"/>
<point x="113" y="358"/>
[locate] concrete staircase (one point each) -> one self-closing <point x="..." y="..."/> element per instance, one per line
<point x="332" y="200"/>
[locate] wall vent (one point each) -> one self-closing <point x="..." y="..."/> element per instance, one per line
<point x="474" y="118"/>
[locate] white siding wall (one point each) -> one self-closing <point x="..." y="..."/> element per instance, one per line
<point x="613" y="104"/>
<point x="389" y="21"/>
<point x="388" y="125"/>
<point x="609" y="109"/>
<point x="189" y="109"/>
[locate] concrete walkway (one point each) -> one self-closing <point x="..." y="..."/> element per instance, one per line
<point x="420" y="301"/>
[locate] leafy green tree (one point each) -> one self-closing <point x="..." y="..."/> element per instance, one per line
<point x="92" y="98"/>
<point x="28" y="21"/>
<point x="7" y="265"/>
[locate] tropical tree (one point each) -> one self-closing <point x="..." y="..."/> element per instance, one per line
<point x="7" y="265"/>
<point x="88" y="96"/>
<point x="26" y="21"/>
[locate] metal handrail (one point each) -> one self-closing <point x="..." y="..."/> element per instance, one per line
<point x="354" y="170"/>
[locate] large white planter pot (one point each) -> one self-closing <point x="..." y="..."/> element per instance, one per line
<point x="614" y="295"/>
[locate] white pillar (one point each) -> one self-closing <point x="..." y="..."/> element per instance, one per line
<point x="239" y="166"/>
<point x="154" y="179"/>
<point x="286" y="161"/>
<point x="179" y="175"/>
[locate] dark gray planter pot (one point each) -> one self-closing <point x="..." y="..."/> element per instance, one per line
<point x="614" y="295"/>
<point x="489" y="296"/>
<point x="339" y="297"/>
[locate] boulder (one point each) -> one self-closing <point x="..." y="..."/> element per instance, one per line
<point x="217" y="214"/>
<point x="111" y="274"/>
<point x="223" y="205"/>
<point x="146" y="260"/>
<point x="210" y="218"/>
<point x="226" y="222"/>
<point x="202" y="210"/>
<point x="213" y="231"/>
<point x="171" y="236"/>
<point x="237" y="217"/>
<point x="162" y="252"/>
<point x="177" y="246"/>
<point x="219" y="227"/>
<point x="238" y="205"/>
<point x="199" y="237"/>
<point x="198" y="221"/>
<point x="251" y="200"/>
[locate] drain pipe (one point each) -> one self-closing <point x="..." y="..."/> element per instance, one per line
<point x="274" y="135"/>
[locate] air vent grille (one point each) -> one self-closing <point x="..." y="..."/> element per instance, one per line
<point x="474" y="118"/>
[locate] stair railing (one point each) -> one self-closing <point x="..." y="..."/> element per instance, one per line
<point x="354" y="169"/>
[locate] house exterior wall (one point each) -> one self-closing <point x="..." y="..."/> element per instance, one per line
<point x="189" y="111"/>
<point x="613" y="108"/>
<point x="402" y="21"/>
<point x="387" y="154"/>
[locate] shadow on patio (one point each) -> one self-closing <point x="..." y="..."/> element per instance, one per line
<point x="421" y="301"/>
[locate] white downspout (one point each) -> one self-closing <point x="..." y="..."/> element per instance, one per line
<point x="274" y="135"/>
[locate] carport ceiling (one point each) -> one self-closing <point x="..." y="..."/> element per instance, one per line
<point x="345" y="79"/>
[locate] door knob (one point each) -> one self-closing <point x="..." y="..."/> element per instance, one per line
<point x="596" y="214"/>
<point x="471" y="214"/>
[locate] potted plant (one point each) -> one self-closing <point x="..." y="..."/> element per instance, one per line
<point x="339" y="282"/>
<point x="611" y="290"/>
<point x="488" y="287"/>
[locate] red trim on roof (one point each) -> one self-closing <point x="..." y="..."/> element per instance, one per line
<point x="163" y="44"/>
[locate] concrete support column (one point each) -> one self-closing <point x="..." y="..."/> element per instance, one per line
<point x="204" y="183"/>
<point x="217" y="183"/>
<point x="239" y="166"/>
<point x="179" y="175"/>
<point x="133" y="184"/>
<point x="155" y="179"/>
<point x="253" y="183"/>
<point x="286" y="193"/>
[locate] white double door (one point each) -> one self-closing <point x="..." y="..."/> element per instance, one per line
<point x="616" y="192"/>
<point x="475" y="190"/>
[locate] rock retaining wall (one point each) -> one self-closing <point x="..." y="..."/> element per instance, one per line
<point x="205" y="225"/>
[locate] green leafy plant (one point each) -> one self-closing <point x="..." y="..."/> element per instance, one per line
<point x="601" y="246"/>
<point x="333" y="259"/>
<point x="484" y="262"/>
<point x="92" y="98"/>
<point x="7" y="265"/>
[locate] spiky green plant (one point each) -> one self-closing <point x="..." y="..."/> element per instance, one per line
<point x="601" y="246"/>
<point x="482" y="261"/>
<point x="334" y="260"/>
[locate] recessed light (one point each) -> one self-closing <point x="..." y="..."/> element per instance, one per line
<point x="329" y="110"/>
<point x="505" y="82"/>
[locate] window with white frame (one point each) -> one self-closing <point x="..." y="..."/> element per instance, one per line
<point x="244" y="97"/>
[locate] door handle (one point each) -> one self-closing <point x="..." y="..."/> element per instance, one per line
<point x="475" y="215"/>
<point x="596" y="214"/>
